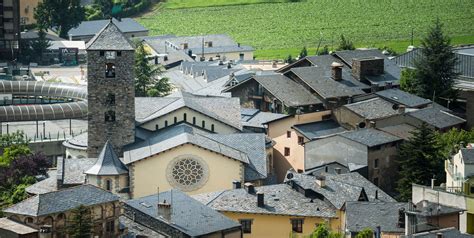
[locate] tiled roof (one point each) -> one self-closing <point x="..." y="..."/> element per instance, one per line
<point x="225" y="110"/>
<point x="370" y="137"/>
<point x="319" y="129"/>
<point x="90" y="28"/>
<point x="62" y="200"/>
<point x="187" y="215"/>
<point x="468" y="155"/>
<point x="372" y="109"/>
<point x="361" y="215"/>
<point x="286" y="90"/>
<point x="319" y="79"/>
<point x="109" y="38"/>
<point x="71" y="171"/>
<point x="279" y="199"/>
<point x="340" y="188"/>
<point x="178" y="135"/>
<point x="44" y="186"/>
<point x="401" y="97"/>
<point x="108" y="163"/>
<point x="435" y="117"/>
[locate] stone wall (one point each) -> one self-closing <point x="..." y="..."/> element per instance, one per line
<point x="121" y="131"/>
<point x="367" y="67"/>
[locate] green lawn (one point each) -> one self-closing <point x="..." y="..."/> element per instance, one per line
<point x="281" y="28"/>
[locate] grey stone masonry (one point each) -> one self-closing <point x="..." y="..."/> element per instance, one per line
<point x="367" y="67"/>
<point x="111" y="96"/>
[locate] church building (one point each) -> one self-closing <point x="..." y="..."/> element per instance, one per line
<point x="142" y="145"/>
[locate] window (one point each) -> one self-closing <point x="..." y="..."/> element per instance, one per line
<point x="208" y="43"/>
<point x="203" y="124"/>
<point x="246" y="225"/>
<point x="110" y="100"/>
<point x="300" y="140"/>
<point x="166" y="123"/>
<point x="184" y="46"/>
<point x="297" y="225"/>
<point x="175" y="120"/>
<point x="288" y="134"/>
<point x="110" y="70"/>
<point x="110" y="226"/>
<point x="119" y="53"/>
<point x="102" y="53"/>
<point x="212" y="127"/>
<point x="326" y="117"/>
<point x="376" y="181"/>
<point x="287" y="151"/>
<point x="472" y="189"/>
<point x="108" y="185"/>
<point x="376" y="163"/>
<point x="184" y="117"/>
<point x="194" y="120"/>
<point x="110" y="116"/>
<point x="110" y="54"/>
<point x="157" y="127"/>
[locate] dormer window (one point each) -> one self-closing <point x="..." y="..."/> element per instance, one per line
<point x="184" y="46"/>
<point x="110" y="55"/>
<point x="110" y="70"/>
<point x="208" y="44"/>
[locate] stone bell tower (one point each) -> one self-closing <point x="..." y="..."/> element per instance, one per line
<point x="111" y="91"/>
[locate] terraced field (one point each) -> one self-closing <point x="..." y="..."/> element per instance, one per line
<point x="277" y="29"/>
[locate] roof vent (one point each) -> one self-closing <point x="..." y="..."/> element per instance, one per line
<point x="336" y="69"/>
<point x="338" y="170"/>
<point x="260" y="199"/>
<point x="321" y="181"/>
<point x="250" y="188"/>
<point x="164" y="210"/>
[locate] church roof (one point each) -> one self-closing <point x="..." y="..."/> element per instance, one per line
<point x="110" y="38"/>
<point x="108" y="163"/>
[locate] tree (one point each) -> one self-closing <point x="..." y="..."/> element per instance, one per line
<point x="12" y="146"/>
<point x="40" y="45"/>
<point x="435" y="67"/>
<point x="365" y="233"/>
<point x="61" y="15"/>
<point x="105" y="7"/>
<point x="345" y="44"/>
<point x="450" y="141"/>
<point x="408" y="81"/>
<point x="322" y="231"/>
<point x="80" y="226"/>
<point x="289" y="60"/>
<point x="303" y="53"/>
<point x="324" y="51"/>
<point x="148" y="81"/>
<point x="420" y="160"/>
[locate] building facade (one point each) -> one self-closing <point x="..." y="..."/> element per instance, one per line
<point x="9" y="29"/>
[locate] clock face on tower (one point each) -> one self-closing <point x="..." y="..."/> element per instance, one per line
<point x="110" y="54"/>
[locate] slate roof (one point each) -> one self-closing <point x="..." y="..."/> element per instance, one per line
<point x="279" y="199"/>
<point x="391" y="70"/>
<point x="256" y="118"/>
<point x="90" y="28"/>
<point x="77" y="142"/>
<point x="340" y="188"/>
<point x="110" y="38"/>
<point x="16" y="227"/>
<point x="71" y="171"/>
<point x="218" y="40"/>
<point x="44" y="186"/>
<point x="222" y="49"/>
<point x="108" y="163"/>
<point x="286" y="90"/>
<point x="437" y="118"/>
<point x="403" y="130"/>
<point x="328" y="168"/>
<point x="319" y="79"/>
<point x="62" y="200"/>
<point x="225" y="110"/>
<point x="468" y="155"/>
<point x="427" y="208"/>
<point x="188" y="215"/>
<point x="360" y="215"/>
<point x="447" y="232"/>
<point x="401" y="97"/>
<point x="319" y="129"/>
<point x="372" y="109"/>
<point x="136" y="230"/>
<point x="370" y="137"/>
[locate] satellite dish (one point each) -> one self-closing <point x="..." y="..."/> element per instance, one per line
<point x="362" y="125"/>
<point x="289" y="176"/>
<point x="395" y="107"/>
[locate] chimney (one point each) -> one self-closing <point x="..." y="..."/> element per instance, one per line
<point x="321" y="181"/>
<point x="236" y="184"/>
<point x="377" y="194"/>
<point x="164" y="210"/>
<point x="374" y="87"/>
<point x="433" y="183"/>
<point x="260" y="200"/>
<point x="250" y="188"/>
<point x="238" y="45"/>
<point x="190" y="53"/>
<point x="372" y="66"/>
<point x="439" y="235"/>
<point x="338" y="170"/>
<point x="401" y="109"/>
<point x="229" y="65"/>
<point x="372" y="124"/>
<point x="336" y="69"/>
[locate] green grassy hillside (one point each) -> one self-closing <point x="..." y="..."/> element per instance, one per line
<point x="280" y="28"/>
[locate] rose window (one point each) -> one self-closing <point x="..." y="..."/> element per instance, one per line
<point x="187" y="173"/>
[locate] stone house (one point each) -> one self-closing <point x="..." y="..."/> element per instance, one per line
<point x="175" y="214"/>
<point x="49" y="213"/>
<point x="371" y="148"/>
<point x="460" y="171"/>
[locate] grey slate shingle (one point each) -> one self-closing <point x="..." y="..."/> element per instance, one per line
<point x="110" y="38"/>
<point x="258" y="118"/>
<point x="468" y="155"/>
<point x="370" y="137"/>
<point x="188" y="215"/>
<point x="403" y="98"/>
<point x="319" y="129"/>
<point x="437" y="118"/>
<point x="361" y="215"/>
<point x="90" y="28"/>
<point x="372" y="109"/>
<point x="63" y="200"/>
<point x="107" y="163"/>
<point x="72" y="170"/>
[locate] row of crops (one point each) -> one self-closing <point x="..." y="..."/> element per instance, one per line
<point x="297" y="24"/>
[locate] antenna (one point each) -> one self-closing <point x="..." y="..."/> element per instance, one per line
<point x="171" y="204"/>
